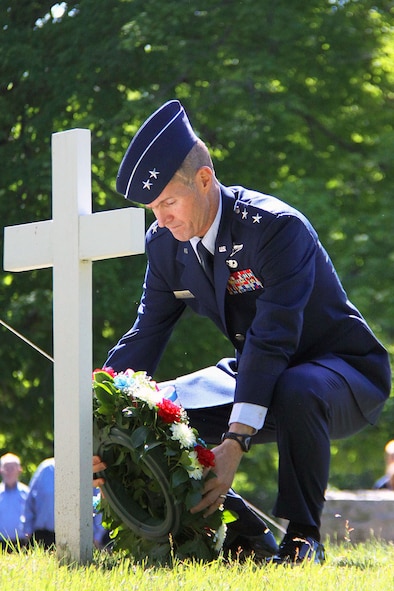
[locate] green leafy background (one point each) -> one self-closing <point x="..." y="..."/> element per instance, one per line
<point x="293" y="98"/>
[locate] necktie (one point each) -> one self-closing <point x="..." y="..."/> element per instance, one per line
<point x="206" y="259"/>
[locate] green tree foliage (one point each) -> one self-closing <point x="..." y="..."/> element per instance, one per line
<point x="293" y="98"/>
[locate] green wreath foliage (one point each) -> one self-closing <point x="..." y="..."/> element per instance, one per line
<point x="156" y="465"/>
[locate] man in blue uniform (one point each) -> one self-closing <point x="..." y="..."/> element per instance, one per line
<point x="307" y="367"/>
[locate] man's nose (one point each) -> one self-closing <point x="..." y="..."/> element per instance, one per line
<point x="161" y="218"/>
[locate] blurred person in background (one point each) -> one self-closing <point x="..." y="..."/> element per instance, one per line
<point x="40" y="505"/>
<point x="387" y="481"/>
<point x="40" y="509"/>
<point x="13" y="494"/>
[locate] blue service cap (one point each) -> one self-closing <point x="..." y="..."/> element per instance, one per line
<point x="155" y="153"/>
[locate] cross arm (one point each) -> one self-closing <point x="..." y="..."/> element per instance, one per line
<point x="112" y="234"/>
<point x="28" y="246"/>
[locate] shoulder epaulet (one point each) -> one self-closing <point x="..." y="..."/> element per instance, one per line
<point x="154" y="231"/>
<point x="254" y="208"/>
<point x="249" y="214"/>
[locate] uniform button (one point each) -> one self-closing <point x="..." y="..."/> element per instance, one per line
<point x="239" y="337"/>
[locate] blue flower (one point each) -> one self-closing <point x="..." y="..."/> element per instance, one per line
<point x="123" y="382"/>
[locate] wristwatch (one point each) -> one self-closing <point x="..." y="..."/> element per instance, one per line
<point x="244" y="440"/>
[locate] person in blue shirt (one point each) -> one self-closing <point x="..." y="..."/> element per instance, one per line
<point x="387" y="480"/>
<point x="307" y="367"/>
<point x="40" y="505"/>
<point x="40" y="509"/>
<point x="13" y="494"/>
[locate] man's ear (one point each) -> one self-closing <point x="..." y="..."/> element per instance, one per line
<point x="204" y="177"/>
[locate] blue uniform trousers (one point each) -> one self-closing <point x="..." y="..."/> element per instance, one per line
<point x="311" y="405"/>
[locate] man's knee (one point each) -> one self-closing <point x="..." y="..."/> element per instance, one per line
<point x="297" y="396"/>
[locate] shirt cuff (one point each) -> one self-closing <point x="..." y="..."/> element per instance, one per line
<point x="249" y="414"/>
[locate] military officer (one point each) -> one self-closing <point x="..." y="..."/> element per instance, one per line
<point x="307" y="367"/>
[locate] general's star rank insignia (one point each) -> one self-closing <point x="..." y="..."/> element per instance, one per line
<point x="256" y="218"/>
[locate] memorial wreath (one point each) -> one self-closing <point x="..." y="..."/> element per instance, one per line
<point x="155" y="466"/>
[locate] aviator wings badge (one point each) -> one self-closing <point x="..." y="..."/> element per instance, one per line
<point x="236" y="248"/>
<point x="232" y="263"/>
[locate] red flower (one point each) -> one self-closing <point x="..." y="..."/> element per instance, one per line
<point x="111" y="372"/>
<point x="168" y="411"/>
<point x="205" y="456"/>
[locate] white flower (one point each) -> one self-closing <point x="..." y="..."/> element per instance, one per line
<point x="195" y="469"/>
<point x="183" y="434"/>
<point x="148" y="395"/>
<point x="219" y="537"/>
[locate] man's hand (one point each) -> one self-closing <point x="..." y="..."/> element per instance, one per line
<point x="227" y="458"/>
<point x="98" y="466"/>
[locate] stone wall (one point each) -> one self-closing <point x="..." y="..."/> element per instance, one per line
<point x="358" y="515"/>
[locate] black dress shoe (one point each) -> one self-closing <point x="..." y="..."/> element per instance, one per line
<point x="295" y="550"/>
<point x="239" y="543"/>
<point x="258" y="548"/>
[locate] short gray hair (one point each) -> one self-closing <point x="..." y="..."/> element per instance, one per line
<point x="197" y="157"/>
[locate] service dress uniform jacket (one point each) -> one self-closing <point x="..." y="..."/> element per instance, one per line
<point x="276" y="296"/>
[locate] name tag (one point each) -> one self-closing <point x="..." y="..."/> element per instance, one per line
<point x="183" y="294"/>
<point x="243" y="281"/>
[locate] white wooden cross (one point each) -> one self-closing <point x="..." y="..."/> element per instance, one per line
<point x="69" y="243"/>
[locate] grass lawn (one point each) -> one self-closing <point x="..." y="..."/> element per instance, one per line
<point x="364" y="567"/>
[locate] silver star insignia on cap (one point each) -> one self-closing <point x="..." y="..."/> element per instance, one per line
<point x="257" y="218"/>
<point x="146" y="184"/>
<point x="154" y="173"/>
